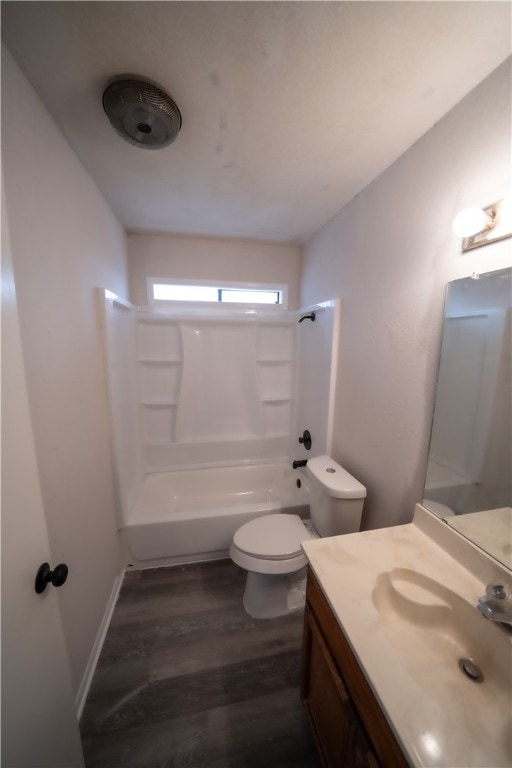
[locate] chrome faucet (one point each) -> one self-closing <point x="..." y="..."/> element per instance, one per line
<point x="497" y="603"/>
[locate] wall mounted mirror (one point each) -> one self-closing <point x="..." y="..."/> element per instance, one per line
<point x="468" y="480"/>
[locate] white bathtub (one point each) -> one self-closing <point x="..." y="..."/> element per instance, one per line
<point x="194" y="513"/>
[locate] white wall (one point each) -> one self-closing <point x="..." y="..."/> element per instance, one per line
<point x="65" y="241"/>
<point x="389" y="255"/>
<point x="172" y="256"/>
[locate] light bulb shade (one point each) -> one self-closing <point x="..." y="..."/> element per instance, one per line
<point x="470" y="221"/>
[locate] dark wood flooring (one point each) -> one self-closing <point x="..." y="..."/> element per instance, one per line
<point x="186" y="678"/>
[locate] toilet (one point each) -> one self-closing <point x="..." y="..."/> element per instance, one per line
<point x="269" y="547"/>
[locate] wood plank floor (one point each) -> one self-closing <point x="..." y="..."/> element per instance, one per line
<point x="187" y="678"/>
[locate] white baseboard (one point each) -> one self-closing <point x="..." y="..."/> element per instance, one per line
<point x="90" y="669"/>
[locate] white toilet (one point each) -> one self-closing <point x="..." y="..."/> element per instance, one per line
<point x="269" y="547"/>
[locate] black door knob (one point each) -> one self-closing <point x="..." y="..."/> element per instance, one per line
<point x="45" y="576"/>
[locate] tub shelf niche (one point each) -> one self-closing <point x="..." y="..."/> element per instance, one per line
<point x="275" y="380"/>
<point x="277" y="416"/>
<point x="159" y="342"/>
<point x="275" y="350"/>
<point x="160" y="381"/>
<point x="158" y="423"/>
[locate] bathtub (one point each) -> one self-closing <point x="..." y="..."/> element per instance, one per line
<point x="193" y="514"/>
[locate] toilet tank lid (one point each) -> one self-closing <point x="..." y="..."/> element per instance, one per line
<point x="336" y="480"/>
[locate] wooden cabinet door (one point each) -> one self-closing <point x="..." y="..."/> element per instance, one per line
<point x="349" y="725"/>
<point x="361" y="753"/>
<point x="334" y="722"/>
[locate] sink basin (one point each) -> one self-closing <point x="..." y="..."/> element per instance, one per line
<point x="432" y="629"/>
<point x="406" y="597"/>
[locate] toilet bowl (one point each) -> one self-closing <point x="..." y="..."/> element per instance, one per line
<point x="269" y="548"/>
<point x="271" y="544"/>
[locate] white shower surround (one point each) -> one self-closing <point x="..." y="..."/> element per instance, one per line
<point x="215" y="386"/>
<point x="204" y="416"/>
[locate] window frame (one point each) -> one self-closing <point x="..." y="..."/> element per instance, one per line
<point x="282" y="288"/>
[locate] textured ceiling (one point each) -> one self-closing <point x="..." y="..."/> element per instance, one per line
<point x="289" y="108"/>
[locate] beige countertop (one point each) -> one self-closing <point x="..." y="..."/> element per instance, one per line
<point x="407" y="607"/>
<point x="491" y="529"/>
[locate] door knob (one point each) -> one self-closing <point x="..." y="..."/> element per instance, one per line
<point x="45" y="576"/>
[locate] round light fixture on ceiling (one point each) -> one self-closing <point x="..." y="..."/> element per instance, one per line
<point x="142" y="113"/>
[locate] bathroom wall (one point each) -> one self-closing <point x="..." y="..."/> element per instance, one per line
<point x="65" y="241"/>
<point x="173" y="256"/>
<point x="389" y="255"/>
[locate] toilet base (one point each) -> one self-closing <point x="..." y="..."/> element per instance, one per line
<point x="267" y="596"/>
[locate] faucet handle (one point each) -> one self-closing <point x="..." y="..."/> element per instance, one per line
<point x="497" y="604"/>
<point x="498" y="592"/>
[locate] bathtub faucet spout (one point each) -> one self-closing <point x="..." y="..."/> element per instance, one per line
<point x="301" y="463"/>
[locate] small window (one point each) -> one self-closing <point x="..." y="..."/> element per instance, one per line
<point x="226" y="293"/>
<point x="169" y="292"/>
<point x="232" y="295"/>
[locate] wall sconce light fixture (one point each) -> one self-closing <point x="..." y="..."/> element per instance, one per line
<point x="481" y="226"/>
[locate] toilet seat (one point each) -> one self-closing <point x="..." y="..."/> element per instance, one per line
<point x="273" y="537"/>
<point x="270" y="544"/>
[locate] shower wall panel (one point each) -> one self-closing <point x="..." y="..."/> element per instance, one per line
<point x="214" y="389"/>
<point x="317" y="363"/>
<point x="119" y="319"/>
<point x="219" y="399"/>
<point x="204" y="388"/>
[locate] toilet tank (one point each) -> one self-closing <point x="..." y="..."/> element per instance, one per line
<point x="336" y="498"/>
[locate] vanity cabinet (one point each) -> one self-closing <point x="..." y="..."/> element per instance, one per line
<point x="349" y="726"/>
